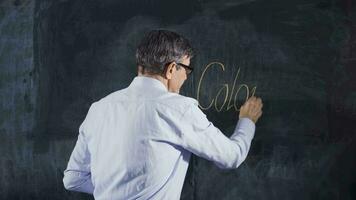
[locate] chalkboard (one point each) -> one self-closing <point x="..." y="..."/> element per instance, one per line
<point x="286" y="52"/>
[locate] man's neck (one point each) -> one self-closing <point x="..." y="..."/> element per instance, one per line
<point x="157" y="77"/>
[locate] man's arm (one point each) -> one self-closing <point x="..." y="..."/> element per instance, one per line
<point x="205" y="140"/>
<point x="195" y="133"/>
<point x="77" y="176"/>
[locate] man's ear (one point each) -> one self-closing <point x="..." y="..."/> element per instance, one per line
<point x="140" y="70"/>
<point x="169" y="71"/>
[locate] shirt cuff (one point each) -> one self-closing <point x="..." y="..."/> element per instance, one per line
<point x="246" y="126"/>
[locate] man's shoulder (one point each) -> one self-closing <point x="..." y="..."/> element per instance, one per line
<point x="180" y="99"/>
<point x="169" y="100"/>
<point x="177" y="102"/>
<point x="104" y="101"/>
<point x="116" y="95"/>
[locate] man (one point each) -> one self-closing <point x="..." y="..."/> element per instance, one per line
<point x="136" y="143"/>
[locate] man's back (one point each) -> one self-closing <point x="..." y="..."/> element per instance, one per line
<point x="130" y="151"/>
<point x="136" y="143"/>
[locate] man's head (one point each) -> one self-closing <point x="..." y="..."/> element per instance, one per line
<point x="166" y="55"/>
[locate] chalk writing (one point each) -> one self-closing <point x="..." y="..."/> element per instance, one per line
<point x="224" y="92"/>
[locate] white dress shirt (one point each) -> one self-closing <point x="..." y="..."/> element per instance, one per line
<point x="136" y="143"/>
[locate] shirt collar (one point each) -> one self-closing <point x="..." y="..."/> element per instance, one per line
<point x="142" y="81"/>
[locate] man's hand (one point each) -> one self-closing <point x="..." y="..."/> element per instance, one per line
<point x="252" y="109"/>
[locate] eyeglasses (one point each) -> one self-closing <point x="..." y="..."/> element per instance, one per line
<point x="187" y="68"/>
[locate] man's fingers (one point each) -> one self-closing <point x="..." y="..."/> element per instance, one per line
<point x="254" y="100"/>
<point x="253" y="104"/>
<point x="252" y="108"/>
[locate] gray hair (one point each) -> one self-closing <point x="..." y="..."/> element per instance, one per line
<point x="160" y="47"/>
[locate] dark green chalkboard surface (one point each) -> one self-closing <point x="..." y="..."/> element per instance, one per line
<point x="296" y="55"/>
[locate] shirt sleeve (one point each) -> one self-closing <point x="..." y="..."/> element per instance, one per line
<point x="199" y="136"/>
<point x="77" y="176"/>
